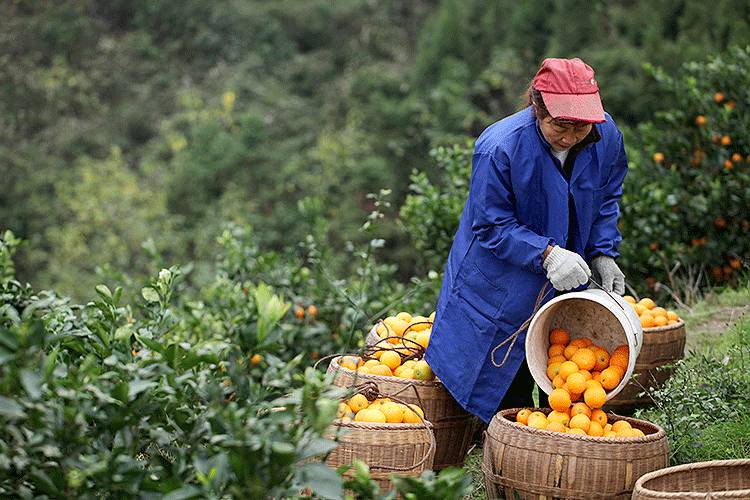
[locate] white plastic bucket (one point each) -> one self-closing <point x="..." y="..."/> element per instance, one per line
<point x="605" y="318"/>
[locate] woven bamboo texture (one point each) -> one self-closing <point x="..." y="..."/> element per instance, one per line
<point x="662" y="346"/>
<point x="523" y="462"/>
<point x="384" y="448"/>
<point x="703" y="480"/>
<point x="452" y="425"/>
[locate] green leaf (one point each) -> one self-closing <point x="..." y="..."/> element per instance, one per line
<point x="31" y="383"/>
<point x="183" y="493"/>
<point x="104" y="292"/>
<point x="150" y="294"/>
<point x="322" y="479"/>
<point x="138" y="386"/>
<point x="10" y="409"/>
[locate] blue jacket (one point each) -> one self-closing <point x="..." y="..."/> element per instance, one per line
<point x="518" y="204"/>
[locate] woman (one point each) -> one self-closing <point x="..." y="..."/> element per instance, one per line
<point x="542" y="207"/>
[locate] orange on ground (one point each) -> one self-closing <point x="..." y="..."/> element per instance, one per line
<point x="523" y="416"/>
<point x="580" y="421"/>
<point x="559" y="336"/>
<point x="568" y="368"/>
<point x="584" y="358"/>
<point x="559" y="400"/>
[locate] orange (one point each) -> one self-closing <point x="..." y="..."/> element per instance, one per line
<point x="570" y="351"/>
<point x="672" y="322"/>
<point x="580" y="421"/>
<point x="358" y="402"/>
<point x="567" y="368"/>
<point x="558" y="382"/>
<point x="363" y="370"/>
<point x="559" y="400"/>
<point x="560" y="417"/>
<point x="556" y="359"/>
<point x="620" y="425"/>
<point x="647" y="302"/>
<point x="553" y="370"/>
<point x="595" y="429"/>
<point x="586" y="374"/>
<point x="640" y="309"/>
<point x="555" y="350"/>
<point x="371" y="362"/>
<point x="342" y="410"/>
<point x="629" y="298"/>
<point x="405" y="372"/>
<point x="537" y="421"/>
<point x="423" y="338"/>
<point x="672" y="315"/>
<point x="607" y="427"/>
<point x="602" y="360"/>
<point x="619" y="359"/>
<point x="659" y="157"/>
<point x="581" y="342"/>
<point x="580" y="409"/>
<point x="368" y="415"/>
<point x="584" y="358"/>
<point x="555" y="427"/>
<point x="431" y="317"/>
<point x="418" y="324"/>
<point x="559" y="336"/>
<point x="381" y="370"/>
<point x="422" y="371"/>
<point x="577" y="431"/>
<point x="623" y="348"/>
<point x="593" y="383"/>
<point x="610" y="378"/>
<point x="600" y="417"/>
<point x="404" y="316"/>
<point x="393" y="413"/>
<point x="660" y="321"/>
<point x="391" y="359"/>
<point x="348" y="362"/>
<point x="522" y="416"/>
<point x="412" y="414"/>
<point x="576" y="383"/>
<point x="596" y="376"/>
<point x="647" y="321"/>
<point x="595" y="397"/>
<point x="574" y="396"/>
<point x="610" y="434"/>
<point x="658" y="311"/>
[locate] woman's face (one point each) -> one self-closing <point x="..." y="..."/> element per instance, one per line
<point x="562" y="136"/>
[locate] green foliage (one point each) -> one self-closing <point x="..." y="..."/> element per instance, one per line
<point x="705" y="405"/>
<point x="690" y="210"/>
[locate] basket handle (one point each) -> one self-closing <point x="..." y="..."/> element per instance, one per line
<point x="514" y="336"/>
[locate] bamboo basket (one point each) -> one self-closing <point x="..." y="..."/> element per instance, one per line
<point x="388" y="449"/>
<point x="523" y="462"/>
<point x="662" y="346"/>
<point x="452" y="425"/>
<point x="703" y="480"/>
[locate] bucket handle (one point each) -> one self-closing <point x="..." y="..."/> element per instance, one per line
<point x="600" y="287"/>
<point x="514" y="336"/>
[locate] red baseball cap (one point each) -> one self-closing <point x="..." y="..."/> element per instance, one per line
<point x="569" y="90"/>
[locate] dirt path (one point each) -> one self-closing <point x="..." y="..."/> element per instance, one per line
<point x="712" y="322"/>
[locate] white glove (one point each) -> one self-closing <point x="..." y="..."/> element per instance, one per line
<point x="608" y="274"/>
<point x="565" y="269"/>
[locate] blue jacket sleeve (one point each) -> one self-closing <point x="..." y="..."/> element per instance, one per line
<point x="605" y="237"/>
<point x="493" y="216"/>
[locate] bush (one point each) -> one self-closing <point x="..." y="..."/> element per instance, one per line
<point x="685" y="201"/>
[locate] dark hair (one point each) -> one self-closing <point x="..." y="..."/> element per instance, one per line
<point x="534" y="98"/>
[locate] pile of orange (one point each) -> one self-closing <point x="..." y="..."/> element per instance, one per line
<point x="382" y="410"/>
<point x="650" y="314"/>
<point x="387" y="363"/>
<point x="578" y="419"/>
<point x="415" y="328"/>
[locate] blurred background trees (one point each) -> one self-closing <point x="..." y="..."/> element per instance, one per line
<point x="132" y="131"/>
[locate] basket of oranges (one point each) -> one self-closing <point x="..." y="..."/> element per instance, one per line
<point x="388" y="434"/>
<point x="558" y="453"/>
<point x="395" y="364"/>
<point x="663" y="343"/>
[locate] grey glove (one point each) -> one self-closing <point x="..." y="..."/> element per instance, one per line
<point x="565" y="269"/>
<point x="608" y="274"/>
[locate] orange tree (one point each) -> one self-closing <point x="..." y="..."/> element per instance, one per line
<point x="685" y="220"/>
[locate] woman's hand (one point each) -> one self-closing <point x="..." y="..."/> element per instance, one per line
<point x="608" y="274"/>
<point x="565" y="269"/>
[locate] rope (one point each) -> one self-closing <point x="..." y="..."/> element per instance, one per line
<point x="514" y="336"/>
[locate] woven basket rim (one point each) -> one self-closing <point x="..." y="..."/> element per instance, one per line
<point x="427" y="383"/>
<point x="502" y="415"/>
<point x="403" y="426"/>
<point x="665" y="328"/>
<point x="676" y="469"/>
